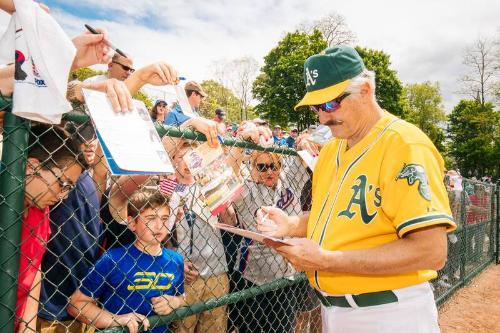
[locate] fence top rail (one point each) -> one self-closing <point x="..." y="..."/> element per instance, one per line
<point x="173" y="131"/>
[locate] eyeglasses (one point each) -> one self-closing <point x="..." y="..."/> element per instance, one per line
<point x="162" y="105"/>
<point x="263" y="167"/>
<point x="124" y="67"/>
<point x="331" y="106"/>
<point x="65" y="185"/>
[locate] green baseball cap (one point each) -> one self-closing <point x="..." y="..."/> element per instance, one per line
<point x="328" y="74"/>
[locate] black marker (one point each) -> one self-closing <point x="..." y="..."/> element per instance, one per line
<point x="95" y="32"/>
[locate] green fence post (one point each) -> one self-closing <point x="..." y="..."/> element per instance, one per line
<point x="463" y="252"/>
<point x="497" y="224"/>
<point x="12" y="172"/>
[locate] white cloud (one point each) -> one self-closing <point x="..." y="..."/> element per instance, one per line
<point x="424" y="38"/>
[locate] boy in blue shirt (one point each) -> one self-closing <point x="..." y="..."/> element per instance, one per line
<point x="137" y="280"/>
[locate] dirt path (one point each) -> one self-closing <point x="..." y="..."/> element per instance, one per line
<point x="475" y="308"/>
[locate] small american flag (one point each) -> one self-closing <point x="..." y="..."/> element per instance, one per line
<point x="167" y="186"/>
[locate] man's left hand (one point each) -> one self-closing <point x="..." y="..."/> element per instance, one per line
<point x="304" y="254"/>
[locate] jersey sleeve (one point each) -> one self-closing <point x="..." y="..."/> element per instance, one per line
<point x="95" y="283"/>
<point x="413" y="191"/>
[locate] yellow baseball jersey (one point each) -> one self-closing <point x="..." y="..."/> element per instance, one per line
<point x="389" y="183"/>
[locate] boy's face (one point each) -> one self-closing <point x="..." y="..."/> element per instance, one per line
<point x="150" y="227"/>
<point x="46" y="187"/>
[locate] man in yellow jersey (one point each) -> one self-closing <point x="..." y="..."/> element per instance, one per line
<point x="376" y="233"/>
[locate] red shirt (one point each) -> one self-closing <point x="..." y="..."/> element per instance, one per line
<point x="35" y="233"/>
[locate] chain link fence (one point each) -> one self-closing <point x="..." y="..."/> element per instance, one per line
<point x="95" y="248"/>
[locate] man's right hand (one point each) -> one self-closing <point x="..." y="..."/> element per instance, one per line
<point x="132" y="321"/>
<point x="273" y="222"/>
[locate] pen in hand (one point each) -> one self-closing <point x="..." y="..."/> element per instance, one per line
<point x="95" y="32"/>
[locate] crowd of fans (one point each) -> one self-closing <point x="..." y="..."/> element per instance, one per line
<point x="102" y="251"/>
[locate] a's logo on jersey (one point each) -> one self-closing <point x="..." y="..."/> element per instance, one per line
<point x="151" y="281"/>
<point x="360" y="190"/>
<point x="413" y="173"/>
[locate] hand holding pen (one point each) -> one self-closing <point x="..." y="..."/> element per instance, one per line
<point x="92" y="49"/>
<point x="108" y="42"/>
<point x="272" y="221"/>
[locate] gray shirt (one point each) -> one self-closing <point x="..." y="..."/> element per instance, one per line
<point x="259" y="263"/>
<point x="199" y="242"/>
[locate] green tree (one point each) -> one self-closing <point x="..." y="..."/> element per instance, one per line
<point x="389" y="90"/>
<point x="84" y="73"/>
<point x="475" y="138"/>
<point x="141" y="96"/>
<point x="425" y="110"/>
<point x="221" y="97"/>
<point x="280" y="85"/>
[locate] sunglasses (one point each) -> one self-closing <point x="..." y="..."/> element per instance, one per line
<point x="263" y="167"/>
<point x="124" y="67"/>
<point x="202" y="97"/>
<point x="331" y="106"/>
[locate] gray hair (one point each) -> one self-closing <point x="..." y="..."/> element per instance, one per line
<point x="356" y="82"/>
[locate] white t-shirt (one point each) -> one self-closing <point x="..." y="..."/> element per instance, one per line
<point x="96" y="78"/>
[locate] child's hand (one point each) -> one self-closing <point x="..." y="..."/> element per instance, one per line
<point x="132" y="321"/>
<point x="165" y="304"/>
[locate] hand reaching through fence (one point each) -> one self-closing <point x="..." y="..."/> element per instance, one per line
<point x="165" y="304"/>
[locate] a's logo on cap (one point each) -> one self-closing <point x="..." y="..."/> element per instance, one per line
<point x="311" y="77"/>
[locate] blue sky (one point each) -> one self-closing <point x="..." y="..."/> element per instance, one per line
<point x="425" y="39"/>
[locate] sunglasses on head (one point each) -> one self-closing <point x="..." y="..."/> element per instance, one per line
<point x="263" y="167"/>
<point x="124" y="67"/>
<point x="331" y="106"/>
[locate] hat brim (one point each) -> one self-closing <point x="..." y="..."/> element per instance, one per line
<point x="323" y="95"/>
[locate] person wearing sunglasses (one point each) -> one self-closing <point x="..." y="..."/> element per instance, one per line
<point x="120" y="68"/>
<point x="376" y="232"/>
<point x="159" y="111"/>
<point x="273" y="181"/>
<point x="52" y="170"/>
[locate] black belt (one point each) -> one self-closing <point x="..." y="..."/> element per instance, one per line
<point x="361" y="300"/>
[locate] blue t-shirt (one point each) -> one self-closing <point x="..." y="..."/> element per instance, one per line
<point x="279" y="141"/>
<point x="176" y="117"/>
<point x="290" y="142"/>
<point x="73" y="248"/>
<point x="124" y="280"/>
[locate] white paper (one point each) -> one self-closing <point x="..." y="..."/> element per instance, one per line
<point x="321" y="135"/>
<point x="251" y="234"/>
<point x="183" y="101"/>
<point x="308" y="158"/>
<point x="130" y="137"/>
